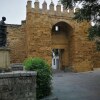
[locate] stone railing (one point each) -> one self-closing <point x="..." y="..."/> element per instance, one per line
<point x="19" y="85"/>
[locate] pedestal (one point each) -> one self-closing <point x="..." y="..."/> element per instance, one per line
<point x="4" y="58"/>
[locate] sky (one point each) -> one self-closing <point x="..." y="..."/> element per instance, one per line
<point x="15" y="10"/>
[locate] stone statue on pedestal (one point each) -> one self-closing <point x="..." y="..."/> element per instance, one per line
<point x="3" y="32"/>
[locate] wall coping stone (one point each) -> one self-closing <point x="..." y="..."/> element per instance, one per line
<point x="4" y="49"/>
<point x="17" y="74"/>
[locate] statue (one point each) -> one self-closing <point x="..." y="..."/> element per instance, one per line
<point x="3" y="32"/>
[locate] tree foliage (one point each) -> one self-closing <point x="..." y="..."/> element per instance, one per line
<point x="89" y="11"/>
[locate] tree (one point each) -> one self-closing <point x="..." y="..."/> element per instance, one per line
<point x="89" y="11"/>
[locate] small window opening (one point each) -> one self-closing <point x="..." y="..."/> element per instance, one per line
<point x="56" y="28"/>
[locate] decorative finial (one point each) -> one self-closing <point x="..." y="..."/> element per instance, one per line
<point x="59" y="3"/>
<point x="44" y="5"/>
<point x="36" y="1"/>
<point x="44" y="1"/>
<point x="52" y="2"/>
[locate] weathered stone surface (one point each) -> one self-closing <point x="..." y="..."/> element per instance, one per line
<point x="4" y="58"/>
<point x="17" y="43"/>
<point x="19" y="85"/>
<point x="17" y="67"/>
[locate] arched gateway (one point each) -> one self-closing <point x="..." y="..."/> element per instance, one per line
<point x="60" y="38"/>
<point x="54" y="36"/>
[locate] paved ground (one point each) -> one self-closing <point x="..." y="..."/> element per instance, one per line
<point x="77" y="86"/>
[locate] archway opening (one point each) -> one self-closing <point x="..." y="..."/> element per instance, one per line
<point x="61" y="37"/>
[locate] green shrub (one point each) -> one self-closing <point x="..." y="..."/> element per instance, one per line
<point x="44" y="76"/>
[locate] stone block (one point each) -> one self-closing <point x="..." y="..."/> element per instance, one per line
<point x="20" y="85"/>
<point x="4" y="58"/>
<point x="17" y="67"/>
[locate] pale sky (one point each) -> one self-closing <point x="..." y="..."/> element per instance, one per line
<point x="15" y="10"/>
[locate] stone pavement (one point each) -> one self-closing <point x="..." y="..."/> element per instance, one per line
<point x="77" y="86"/>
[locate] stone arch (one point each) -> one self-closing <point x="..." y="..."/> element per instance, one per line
<point x="64" y="26"/>
<point x="61" y="36"/>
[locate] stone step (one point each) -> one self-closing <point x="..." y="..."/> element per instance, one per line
<point x="17" y="67"/>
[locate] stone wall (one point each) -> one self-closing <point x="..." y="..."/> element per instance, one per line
<point x="17" y="42"/>
<point x="18" y="86"/>
<point x="96" y="58"/>
<point x="83" y="48"/>
<point x="34" y="38"/>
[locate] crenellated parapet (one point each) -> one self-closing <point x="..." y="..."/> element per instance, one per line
<point x="51" y="11"/>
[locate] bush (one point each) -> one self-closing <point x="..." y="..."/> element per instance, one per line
<point x="44" y="75"/>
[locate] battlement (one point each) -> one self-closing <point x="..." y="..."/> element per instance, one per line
<point x="51" y="11"/>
